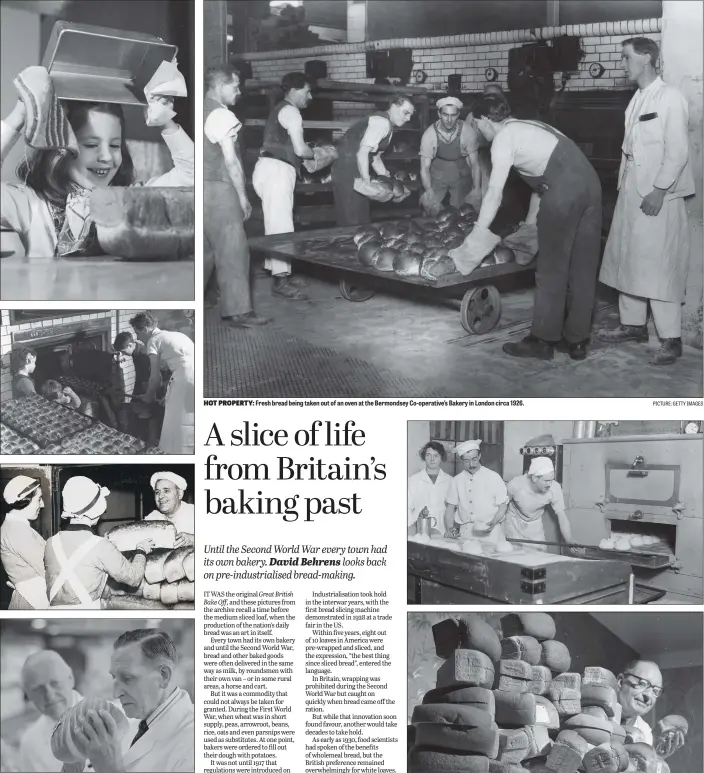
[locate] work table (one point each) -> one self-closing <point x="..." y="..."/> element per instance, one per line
<point x="440" y="573"/>
<point x="95" y="279"/>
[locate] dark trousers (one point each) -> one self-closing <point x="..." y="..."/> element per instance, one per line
<point x="351" y="208"/>
<point x="569" y="248"/>
<point x="225" y="248"/>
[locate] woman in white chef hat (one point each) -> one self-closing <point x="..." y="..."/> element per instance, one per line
<point x="530" y="495"/>
<point x="21" y="546"/>
<point x="78" y="562"/>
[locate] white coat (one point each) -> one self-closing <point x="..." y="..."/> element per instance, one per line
<point x="169" y="744"/>
<point x="648" y="255"/>
<point x="422" y="492"/>
<point x="35" y="744"/>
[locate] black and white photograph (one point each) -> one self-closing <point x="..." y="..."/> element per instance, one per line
<point x="84" y="694"/>
<point x="535" y="166"/>
<point x="594" y="691"/>
<point x="555" y="512"/>
<point x="97" y="537"/>
<point x="97" y="147"/>
<point x="97" y="382"/>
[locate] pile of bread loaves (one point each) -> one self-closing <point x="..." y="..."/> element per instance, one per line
<point x="169" y="577"/>
<point x="505" y="705"/>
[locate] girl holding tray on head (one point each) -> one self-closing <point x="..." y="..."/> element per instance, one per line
<point x="73" y="148"/>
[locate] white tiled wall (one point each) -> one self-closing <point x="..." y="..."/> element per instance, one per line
<point x="119" y="320"/>
<point x="469" y="61"/>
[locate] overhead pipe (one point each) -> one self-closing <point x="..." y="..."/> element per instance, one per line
<point x="597" y="29"/>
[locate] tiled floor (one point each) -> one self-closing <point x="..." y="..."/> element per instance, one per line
<point x="391" y="346"/>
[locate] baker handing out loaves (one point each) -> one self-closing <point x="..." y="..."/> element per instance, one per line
<point x="72" y="149"/>
<point x="168" y="494"/>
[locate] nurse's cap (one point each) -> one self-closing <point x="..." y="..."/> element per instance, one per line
<point x="467" y="446"/>
<point x="177" y="480"/>
<point x="541" y="465"/>
<point x="82" y="497"/>
<point x="20" y="487"/>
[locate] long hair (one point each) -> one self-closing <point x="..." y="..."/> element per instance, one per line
<point x="45" y="170"/>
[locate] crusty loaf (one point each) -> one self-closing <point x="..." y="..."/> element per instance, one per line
<point x="145" y="222"/>
<point x="63" y="745"/>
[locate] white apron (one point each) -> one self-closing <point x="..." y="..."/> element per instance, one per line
<point x="517" y="527"/>
<point x="33" y="591"/>
<point x="646" y="255"/>
<point x="68" y="575"/>
<point x="178" y="429"/>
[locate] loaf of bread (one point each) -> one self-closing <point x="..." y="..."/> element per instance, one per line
<point x="618" y="732"/>
<point x="451" y="714"/>
<point x="477" y="634"/>
<point x="594" y="711"/>
<point x="594" y="730"/>
<point x="128" y="536"/>
<point x="599" y="676"/>
<point x="514" y="745"/>
<point x="189" y="565"/>
<point x="63" y="739"/>
<point x="539" y="741"/>
<point x="555" y="656"/>
<point x="521" y="648"/>
<point x="606" y="759"/>
<point x="428" y="760"/>
<point x="567" y="702"/>
<point x="138" y="222"/>
<point x="514" y="709"/>
<point x="539" y="625"/>
<point x="133" y="602"/>
<point x="446" y="635"/>
<point x="515" y="676"/>
<point x="497" y="766"/>
<point x="479" y="697"/>
<point x="602" y="696"/>
<point x="477" y="740"/>
<point x="468" y="668"/>
<point x="174" y="569"/>
<point x="546" y="713"/>
<point x="541" y="678"/>
<point x="571" y="680"/>
<point x="186" y="590"/>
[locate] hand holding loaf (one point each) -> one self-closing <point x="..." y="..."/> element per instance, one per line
<point x="71" y="740"/>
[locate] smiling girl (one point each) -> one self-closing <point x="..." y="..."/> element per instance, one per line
<point x="50" y="208"/>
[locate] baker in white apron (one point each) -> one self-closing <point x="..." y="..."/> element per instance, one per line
<point x="530" y="495"/>
<point x="77" y="562"/>
<point x="21" y="546"/>
<point x="169" y="489"/>
<point x="476" y="503"/>
<point x="647" y="253"/>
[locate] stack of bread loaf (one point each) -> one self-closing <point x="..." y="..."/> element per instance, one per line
<point x="505" y="705"/>
<point x="169" y="577"/>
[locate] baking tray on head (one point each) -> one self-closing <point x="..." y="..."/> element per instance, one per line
<point x="99" y="64"/>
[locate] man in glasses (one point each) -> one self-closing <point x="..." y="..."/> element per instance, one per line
<point x="640" y="685"/>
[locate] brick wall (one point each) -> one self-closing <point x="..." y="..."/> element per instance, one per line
<point x="119" y="320"/>
<point x="469" y="61"/>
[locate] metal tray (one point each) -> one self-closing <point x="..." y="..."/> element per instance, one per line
<point x="653" y="559"/>
<point x="100" y="64"/>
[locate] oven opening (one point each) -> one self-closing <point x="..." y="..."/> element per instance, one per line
<point x="640" y="535"/>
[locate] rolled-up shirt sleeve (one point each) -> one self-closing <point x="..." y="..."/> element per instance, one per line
<point x="428" y="143"/>
<point x="221" y="124"/>
<point x="500" y="492"/>
<point x="377" y="128"/>
<point x="183" y="154"/>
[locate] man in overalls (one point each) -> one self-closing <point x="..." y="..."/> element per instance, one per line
<point x="78" y="562"/>
<point x="566" y="208"/>
<point x="226" y="206"/>
<point x="368" y="137"/>
<point x="275" y="175"/>
<point x="449" y="160"/>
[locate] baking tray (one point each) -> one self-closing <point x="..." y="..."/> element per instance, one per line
<point x="99" y="64"/>
<point x="657" y="557"/>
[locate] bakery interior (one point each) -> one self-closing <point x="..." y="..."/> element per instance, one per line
<point x="633" y="499"/>
<point x="131" y="498"/>
<point x="75" y="348"/>
<point x="86" y="646"/>
<point x="99" y="45"/>
<point x="324" y="347"/>
<point x="602" y="642"/>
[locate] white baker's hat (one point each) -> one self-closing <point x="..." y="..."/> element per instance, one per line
<point x="449" y="101"/>
<point x="83" y="498"/>
<point x="177" y="480"/>
<point x="468" y="445"/>
<point x="20" y="487"/>
<point x="541" y="465"/>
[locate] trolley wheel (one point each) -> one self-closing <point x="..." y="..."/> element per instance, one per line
<point x="353" y="292"/>
<point x="481" y="309"/>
